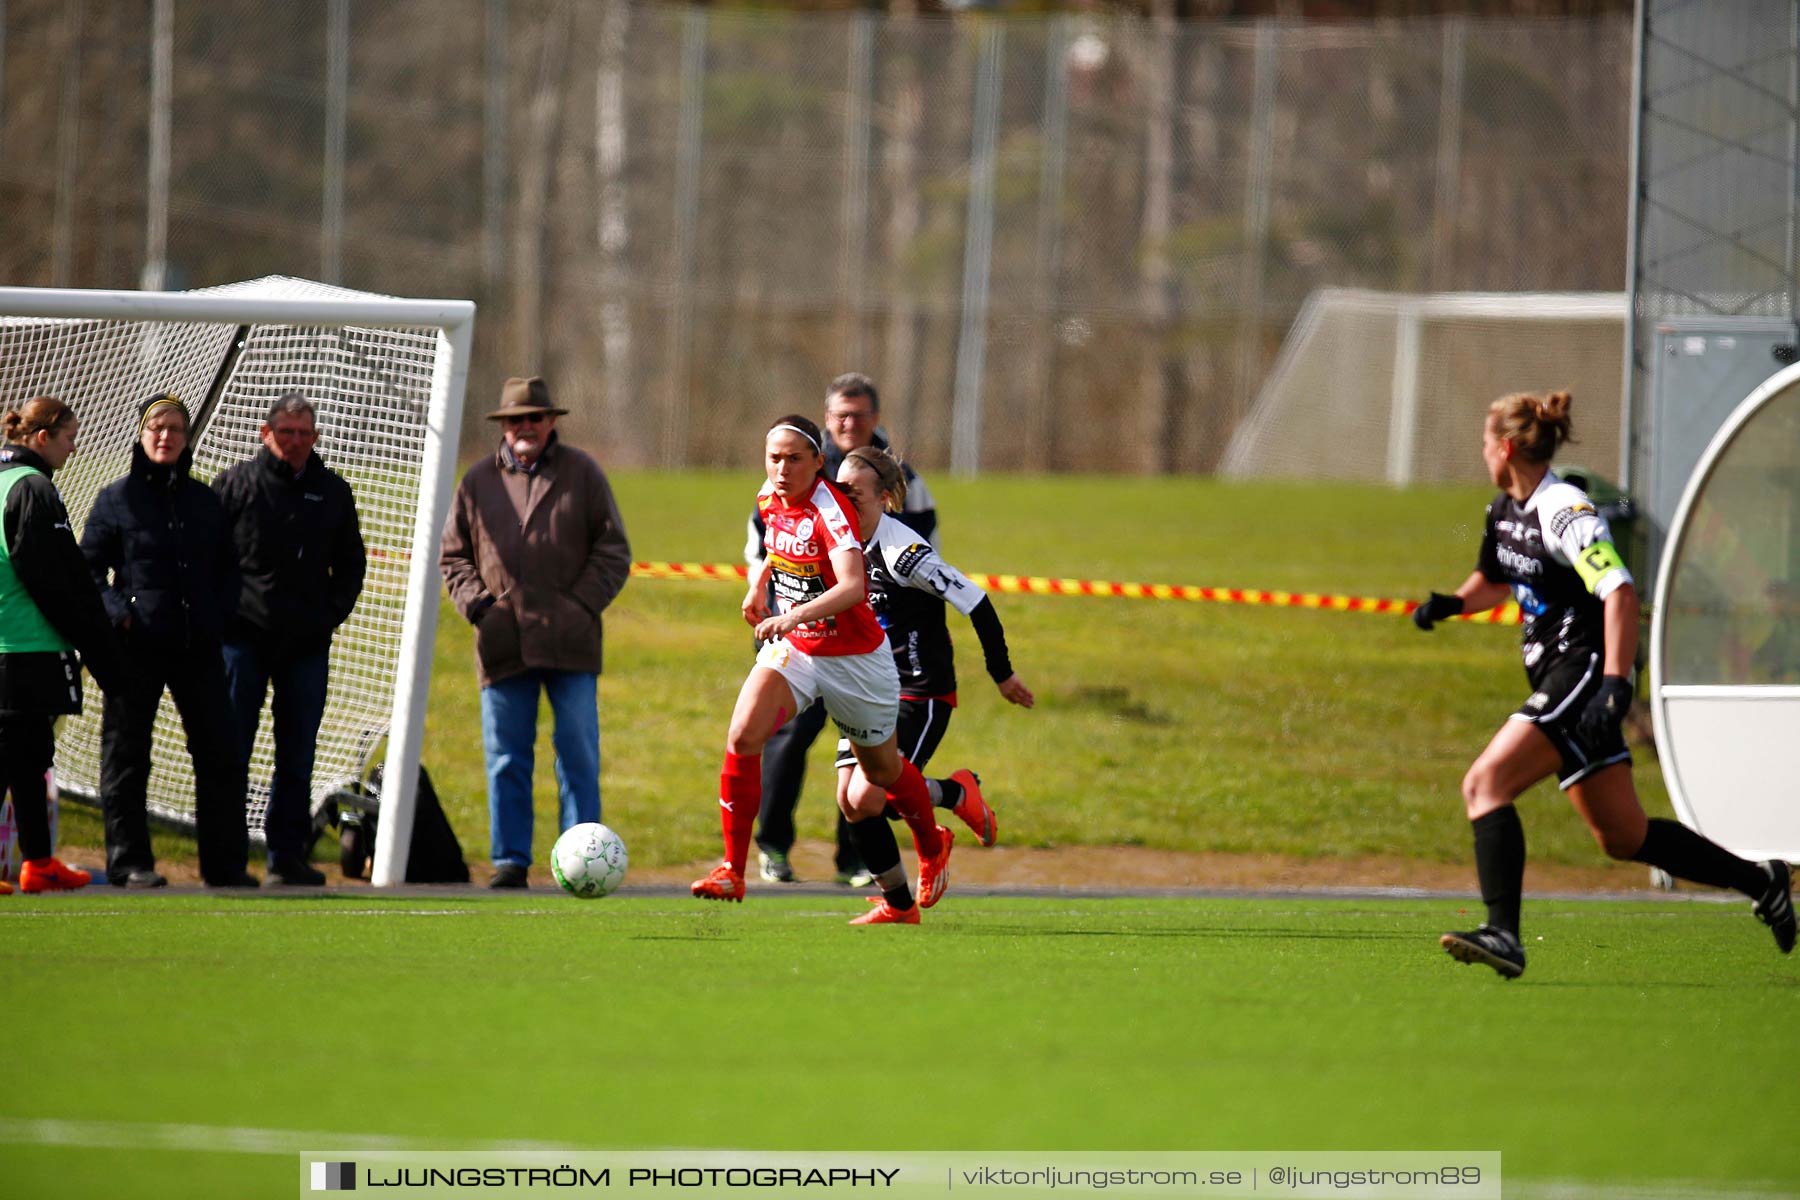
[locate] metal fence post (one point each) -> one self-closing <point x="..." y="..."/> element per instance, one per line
<point x="337" y="104"/>
<point x="687" y="219"/>
<point x="978" y="244"/>
<point x="1449" y="153"/>
<point x="68" y="134"/>
<point x="855" y="245"/>
<point x="1047" y="263"/>
<point x="1258" y="197"/>
<point x="156" y="199"/>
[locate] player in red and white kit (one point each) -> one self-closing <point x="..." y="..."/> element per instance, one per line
<point x="821" y="642"/>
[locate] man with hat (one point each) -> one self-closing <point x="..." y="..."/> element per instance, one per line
<point x="534" y="550"/>
<point x="161" y="552"/>
<point x="301" y="551"/>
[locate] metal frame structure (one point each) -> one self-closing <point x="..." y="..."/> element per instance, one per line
<point x="1715" y="177"/>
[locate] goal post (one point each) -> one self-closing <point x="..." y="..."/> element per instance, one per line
<point x="387" y="378"/>
<point x="1390" y="387"/>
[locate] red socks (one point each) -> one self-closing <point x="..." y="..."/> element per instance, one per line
<point x="912" y="800"/>
<point x="740" y="796"/>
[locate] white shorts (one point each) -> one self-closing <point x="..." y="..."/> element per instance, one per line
<point x="861" y="691"/>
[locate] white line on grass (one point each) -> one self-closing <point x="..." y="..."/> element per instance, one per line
<point x="222" y="1139"/>
<point x="267" y="912"/>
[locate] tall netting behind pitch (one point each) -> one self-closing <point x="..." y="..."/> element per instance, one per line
<point x="1375" y="386"/>
<point x="371" y="387"/>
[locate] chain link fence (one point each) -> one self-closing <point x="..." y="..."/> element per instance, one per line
<point x="1058" y="243"/>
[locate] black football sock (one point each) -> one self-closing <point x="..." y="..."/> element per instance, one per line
<point x="874" y="841"/>
<point x="1686" y="855"/>
<point x="1500" y="865"/>
<point x="945" y="793"/>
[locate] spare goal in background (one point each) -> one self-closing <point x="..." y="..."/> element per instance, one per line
<point x="1379" y="386"/>
<point x="386" y="377"/>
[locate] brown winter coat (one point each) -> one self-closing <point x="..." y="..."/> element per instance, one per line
<point x="532" y="560"/>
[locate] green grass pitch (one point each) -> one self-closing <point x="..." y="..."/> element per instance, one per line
<point x="1648" y="1048"/>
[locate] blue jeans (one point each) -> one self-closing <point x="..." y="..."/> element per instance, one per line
<point x="299" y="706"/>
<point x="509" y="712"/>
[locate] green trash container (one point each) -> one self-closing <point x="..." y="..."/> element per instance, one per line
<point x="1611" y="502"/>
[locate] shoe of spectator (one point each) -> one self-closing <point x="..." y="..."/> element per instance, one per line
<point x="884" y="913"/>
<point x="973" y="810"/>
<point x="934" y="870"/>
<point x="1776" y="906"/>
<point x="289" y="871"/>
<point x="142" y="877"/>
<point x="245" y="880"/>
<point x="510" y="875"/>
<point x="50" y="875"/>
<point x="1496" y="948"/>
<point x="721" y="883"/>
<point x="862" y="877"/>
<point x="775" y="867"/>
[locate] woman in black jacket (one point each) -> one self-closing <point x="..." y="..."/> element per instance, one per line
<point x="161" y="551"/>
<point x="48" y="611"/>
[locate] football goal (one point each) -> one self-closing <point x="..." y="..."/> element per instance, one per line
<point x="1378" y="386"/>
<point x="386" y="377"/>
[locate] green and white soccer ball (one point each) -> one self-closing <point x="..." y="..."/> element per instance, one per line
<point x="589" y="861"/>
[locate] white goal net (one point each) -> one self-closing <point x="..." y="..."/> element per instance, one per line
<point x="386" y="377"/>
<point x="1376" y="386"/>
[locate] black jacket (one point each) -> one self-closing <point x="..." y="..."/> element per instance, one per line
<point x="299" y="547"/>
<point x="55" y="576"/>
<point x="162" y="554"/>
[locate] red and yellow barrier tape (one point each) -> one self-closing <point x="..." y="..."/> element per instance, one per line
<point x="1039" y="585"/>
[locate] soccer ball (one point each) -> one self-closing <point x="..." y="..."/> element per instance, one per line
<point x="589" y="861"/>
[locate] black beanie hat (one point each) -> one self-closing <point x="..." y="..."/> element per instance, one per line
<point x="157" y="401"/>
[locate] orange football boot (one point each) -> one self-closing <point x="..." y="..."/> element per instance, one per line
<point x="934" y="870"/>
<point x="50" y="875"/>
<point x="883" y="913"/>
<point x="973" y="810"/>
<point x="722" y="883"/>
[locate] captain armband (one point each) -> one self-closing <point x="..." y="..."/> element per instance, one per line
<point x="1598" y="561"/>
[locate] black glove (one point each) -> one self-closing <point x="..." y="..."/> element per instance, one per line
<point x="1438" y="608"/>
<point x="1600" y="719"/>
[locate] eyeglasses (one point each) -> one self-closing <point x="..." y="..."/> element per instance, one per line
<point x="850" y="416"/>
<point x="527" y="419"/>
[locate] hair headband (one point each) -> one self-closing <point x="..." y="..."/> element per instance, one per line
<point x="809" y="437"/>
<point x="160" y="402"/>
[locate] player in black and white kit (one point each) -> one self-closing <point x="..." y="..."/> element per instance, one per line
<point x="1547" y="546"/>
<point x="910" y="588"/>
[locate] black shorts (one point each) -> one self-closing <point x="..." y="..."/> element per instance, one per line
<point x="921" y="727"/>
<point x="1562" y="692"/>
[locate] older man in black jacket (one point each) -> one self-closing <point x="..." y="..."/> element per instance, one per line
<point x="301" y="551"/>
<point x="161" y="551"/>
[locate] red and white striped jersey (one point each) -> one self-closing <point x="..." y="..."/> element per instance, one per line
<point x="799" y="540"/>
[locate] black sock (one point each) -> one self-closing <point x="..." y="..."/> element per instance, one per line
<point x="1500" y="865"/>
<point x="1686" y="855"/>
<point x="874" y="841"/>
<point x="950" y="793"/>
